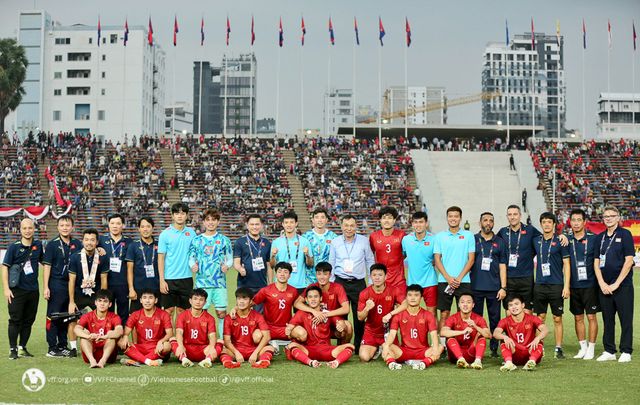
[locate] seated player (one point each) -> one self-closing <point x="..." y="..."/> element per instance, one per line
<point x="416" y="325"/>
<point x="376" y="307"/>
<point x="152" y="326"/>
<point x="195" y="338"/>
<point x="98" y="331"/>
<point x="317" y="346"/>
<point x="246" y="336"/>
<point x="522" y="334"/>
<point x="334" y="303"/>
<point x="467" y="333"/>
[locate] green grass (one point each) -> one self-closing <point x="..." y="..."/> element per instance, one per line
<point x="558" y="381"/>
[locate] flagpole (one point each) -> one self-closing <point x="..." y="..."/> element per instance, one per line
<point x="558" y="82"/>
<point x="226" y="80"/>
<point x="353" y="92"/>
<point x="584" y="127"/>
<point x="609" y="87"/>
<point x="406" y="96"/>
<point x="533" y="100"/>
<point x="302" y="88"/>
<point x="328" y="85"/>
<point x="251" y="95"/>
<point x="380" y="97"/>
<point x="506" y="63"/>
<point x="124" y="89"/>
<point x="278" y="92"/>
<point x="200" y="96"/>
<point x="633" y="90"/>
<point x="173" y="94"/>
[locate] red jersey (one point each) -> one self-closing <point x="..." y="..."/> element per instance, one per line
<point x="196" y="330"/>
<point x="414" y="329"/>
<point x="521" y="332"/>
<point x="455" y="322"/>
<point x="332" y="298"/>
<point x="241" y="329"/>
<point x="277" y="304"/>
<point x="149" y="329"/>
<point x="388" y="251"/>
<point x="93" y="324"/>
<point x="384" y="303"/>
<point x="319" y="334"/>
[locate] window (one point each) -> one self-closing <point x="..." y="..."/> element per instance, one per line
<point x="101" y="115"/>
<point x="113" y="38"/>
<point x="82" y="112"/>
<point x="104" y="57"/>
<point x="57" y="92"/>
<point x="58" y="58"/>
<point x="103" y="92"/>
<point x="56" y="115"/>
<point x="104" y="41"/>
<point x="57" y="75"/>
<point x="63" y="41"/>
<point x="104" y="75"/>
<point x="90" y="40"/>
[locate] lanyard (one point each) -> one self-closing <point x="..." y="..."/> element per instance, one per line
<point x="482" y="240"/>
<point x="286" y="240"/>
<point x="518" y="245"/>
<point x="250" y="244"/>
<point x="573" y="245"/>
<point x="65" y="255"/>
<point x="548" y="251"/>
<point x="113" y="251"/>
<point x="609" y="245"/>
<point x="352" y="246"/>
<point x="144" y="257"/>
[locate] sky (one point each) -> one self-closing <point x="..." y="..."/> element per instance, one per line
<point x="449" y="38"/>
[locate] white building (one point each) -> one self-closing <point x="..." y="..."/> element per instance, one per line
<point x="75" y="85"/>
<point x="618" y="116"/>
<point x="178" y="116"/>
<point x="419" y="99"/>
<point x="338" y="110"/>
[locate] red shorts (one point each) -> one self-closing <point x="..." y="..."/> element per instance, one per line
<point x="195" y="352"/>
<point x="430" y="296"/>
<point x="468" y="352"/>
<point x="277" y="332"/>
<point x="401" y="286"/>
<point x="149" y="350"/>
<point x="246" y="351"/>
<point x="98" y="352"/>
<point x="320" y="352"/>
<point x="371" y="339"/>
<point x="521" y="356"/>
<point x="411" y="354"/>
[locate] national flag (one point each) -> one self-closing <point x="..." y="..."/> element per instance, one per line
<point x="558" y="32"/>
<point x="381" y="28"/>
<point x="584" y="35"/>
<point x="280" y="34"/>
<point x="609" y="30"/>
<point x="228" y="30"/>
<point x="332" y="38"/>
<point x="150" y="33"/>
<point x="99" y="31"/>
<point x="533" y="36"/>
<point x="634" y="35"/>
<point x="355" y="27"/>
<point x="304" y="31"/>
<point x="202" y="31"/>
<point x="126" y="32"/>
<point x="253" y="33"/>
<point x="175" y="30"/>
<point x="408" y="30"/>
<point x="506" y="28"/>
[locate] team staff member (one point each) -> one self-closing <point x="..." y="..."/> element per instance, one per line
<point x="115" y="246"/>
<point x="142" y="264"/>
<point x="489" y="274"/>
<point x="351" y="258"/>
<point x="293" y="249"/>
<point x="584" y="291"/>
<point x="23" y="297"/>
<point x="613" y="270"/>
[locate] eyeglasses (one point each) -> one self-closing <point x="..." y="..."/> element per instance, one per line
<point x="609" y="216"/>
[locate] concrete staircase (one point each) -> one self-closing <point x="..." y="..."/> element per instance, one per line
<point x="297" y="193"/>
<point x="170" y="171"/>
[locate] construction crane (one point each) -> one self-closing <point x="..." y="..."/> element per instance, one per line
<point x="442" y="105"/>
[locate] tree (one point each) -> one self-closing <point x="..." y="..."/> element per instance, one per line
<point x="13" y="71"/>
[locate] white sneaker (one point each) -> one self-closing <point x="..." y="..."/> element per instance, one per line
<point x="590" y="354"/>
<point x="186" y="362"/>
<point x="378" y="353"/>
<point x="477" y="364"/>
<point x="419" y="365"/>
<point x="606" y="356"/>
<point x="624" y="358"/>
<point x="206" y="363"/>
<point x="274" y="344"/>
<point x="395" y="366"/>
<point x="581" y="353"/>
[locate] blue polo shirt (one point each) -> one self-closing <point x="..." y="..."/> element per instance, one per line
<point x="246" y="249"/>
<point x="116" y="250"/>
<point x="142" y="254"/>
<point x="582" y="251"/>
<point x="291" y="250"/>
<point x="17" y="253"/>
<point x="520" y="242"/>
<point x="615" y="247"/>
<point x="419" y="254"/>
<point x="174" y="244"/>
<point x="455" y="249"/>
<point x="57" y="254"/>
<point x="494" y="249"/>
<point x="550" y="251"/>
<point x="75" y="267"/>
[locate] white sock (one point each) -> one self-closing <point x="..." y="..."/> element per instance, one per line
<point x="147" y="362"/>
<point x="20" y="347"/>
<point x="583" y="344"/>
<point x="74" y="344"/>
<point x="591" y="346"/>
<point x="443" y="342"/>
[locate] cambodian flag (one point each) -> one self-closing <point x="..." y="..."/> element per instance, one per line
<point x="175" y="31"/>
<point x="355" y="27"/>
<point x="280" y="34"/>
<point x="408" y="29"/>
<point x="304" y="31"/>
<point x="228" y="30"/>
<point x="381" y="28"/>
<point x="99" y="31"/>
<point x="202" y="31"/>
<point x="332" y="37"/>
<point x="126" y="32"/>
<point x="150" y="34"/>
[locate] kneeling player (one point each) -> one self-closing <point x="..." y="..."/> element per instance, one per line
<point x="415" y="325"/>
<point x="467" y="333"/>
<point x="522" y="334"/>
<point x="98" y="331"/>
<point x="246" y="336"/>
<point x="152" y="327"/>
<point x="196" y="333"/>
<point x="317" y="345"/>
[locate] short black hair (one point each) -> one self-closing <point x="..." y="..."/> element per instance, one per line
<point x="91" y="231"/>
<point x="148" y="219"/>
<point x="65" y="218"/>
<point x="388" y="210"/>
<point x="114" y="216"/>
<point x="252" y="216"/>
<point x="320" y="210"/>
<point x="514" y="206"/>
<point x="244" y="292"/>
<point x="283" y="265"/>
<point x="548" y="215"/>
<point x="324" y="267"/>
<point x="516" y="297"/>
<point x="578" y="211"/>
<point x="199" y="292"/>
<point x="104" y="294"/>
<point x="415" y="287"/>
<point x="148" y="291"/>
<point x="313" y="288"/>
<point x="290" y="215"/>
<point x="454" y="208"/>
<point x="469" y="294"/>
<point x="179" y="207"/>
<point x="378" y="266"/>
<point x="486" y="213"/>
<point x="419" y="215"/>
<point x="347" y="217"/>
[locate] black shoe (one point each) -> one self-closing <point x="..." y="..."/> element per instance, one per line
<point x="13" y="354"/>
<point x="55" y="353"/>
<point x="72" y="353"/>
<point x="22" y="352"/>
<point x="558" y="353"/>
<point x="494" y="354"/>
<point x="444" y="355"/>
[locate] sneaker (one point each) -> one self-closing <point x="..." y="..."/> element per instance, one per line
<point x="154" y="363"/>
<point x="378" y="353"/>
<point x="508" y="367"/>
<point x="395" y="366"/>
<point x="65" y="352"/>
<point x="444" y="355"/>
<point x="606" y="356"/>
<point x="477" y="364"/>
<point x="419" y="366"/>
<point x="73" y="353"/>
<point x="581" y="353"/>
<point x="314" y="364"/>
<point x="624" y="358"/>
<point x="494" y="354"/>
<point x="187" y="363"/>
<point x="276" y="347"/>
<point x="231" y="364"/>
<point x="262" y="364"/>
<point x="129" y="362"/>
<point x="411" y="362"/>
<point x="590" y="354"/>
<point x="332" y="364"/>
<point x="22" y="352"/>
<point x="558" y="354"/>
<point x="206" y="363"/>
<point x="13" y="354"/>
<point x="462" y="363"/>
<point x="55" y="353"/>
<point x="529" y="366"/>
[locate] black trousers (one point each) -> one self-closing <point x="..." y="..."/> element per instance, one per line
<point x="57" y="330"/>
<point x="353" y="288"/>
<point x="22" y="313"/>
<point x="620" y="302"/>
<point x="120" y="301"/>
<point x="493" y="309"/>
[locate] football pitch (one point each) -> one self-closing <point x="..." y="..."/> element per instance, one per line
<point x="554" y="381"/>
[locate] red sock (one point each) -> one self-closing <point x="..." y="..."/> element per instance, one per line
<point x="506" y="353"/>
<point x="536" y="354"/>
<point x="390" y="360"/>
<point x="225" y="358"/>
<point x="427" y="361"/>
<point x="481" y="346"/>
<point x="174" y="347"/>
<point x="266" y="356"/>
<point x="301" y="356"/>
<point x="134" y="354"/>
<point x="454" y="348"/>
<point x="344" y="356"/>
<point x="219" y="348"/>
